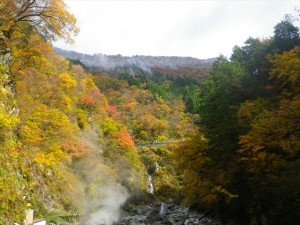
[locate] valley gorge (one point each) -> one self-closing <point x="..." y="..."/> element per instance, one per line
<point x="145" y="140"/>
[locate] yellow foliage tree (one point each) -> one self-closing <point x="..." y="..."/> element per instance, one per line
<point x="50" y="19"/>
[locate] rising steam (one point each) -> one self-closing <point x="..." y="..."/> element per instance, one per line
<point x="103" y="195"/>
<point x="105" y="211"/>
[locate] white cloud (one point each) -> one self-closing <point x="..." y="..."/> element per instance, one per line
<point x="199" y="29"/>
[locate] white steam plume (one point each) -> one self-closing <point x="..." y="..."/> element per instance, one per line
<point x="106" y="211"/>
<point x="103" y="195"/>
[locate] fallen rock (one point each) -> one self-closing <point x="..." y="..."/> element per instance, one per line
<point x="165" y="214"/>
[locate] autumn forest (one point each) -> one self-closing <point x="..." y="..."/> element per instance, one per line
<point x="226" y="142"/>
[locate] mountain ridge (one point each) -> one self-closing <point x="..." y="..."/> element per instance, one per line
<point x="137" y="64"/>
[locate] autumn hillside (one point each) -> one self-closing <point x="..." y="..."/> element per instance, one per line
<point x="76" y="142"/>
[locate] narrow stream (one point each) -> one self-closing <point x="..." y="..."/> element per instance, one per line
<point x="162" y="210"/>
<point x="151" y="186"/>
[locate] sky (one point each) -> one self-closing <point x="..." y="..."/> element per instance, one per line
<point x="200" y="28"/>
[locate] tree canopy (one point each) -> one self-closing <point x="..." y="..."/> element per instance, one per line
<point x="50" y="19"/>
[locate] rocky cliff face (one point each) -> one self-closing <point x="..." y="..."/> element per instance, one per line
<point x="163" y="65"/>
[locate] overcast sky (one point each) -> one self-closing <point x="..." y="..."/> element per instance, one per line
<point x="200" y="29"/>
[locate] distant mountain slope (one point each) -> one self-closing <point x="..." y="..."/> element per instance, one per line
<point x="135" y="65"/>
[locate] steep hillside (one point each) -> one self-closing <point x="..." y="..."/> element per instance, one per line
<point x="136" y="65"/>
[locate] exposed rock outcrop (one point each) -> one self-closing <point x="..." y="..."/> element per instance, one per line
<point x="165" y="214"/>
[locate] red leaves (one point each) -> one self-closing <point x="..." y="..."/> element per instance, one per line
<point x="124" y="139"/>
<point x="87" y="101"/>
<point x="77" y="149"/>
<point x="112" y="109"/>
<point x="94" y="91"/>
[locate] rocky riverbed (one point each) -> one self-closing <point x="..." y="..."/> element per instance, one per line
<point x="164" y="214"/>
